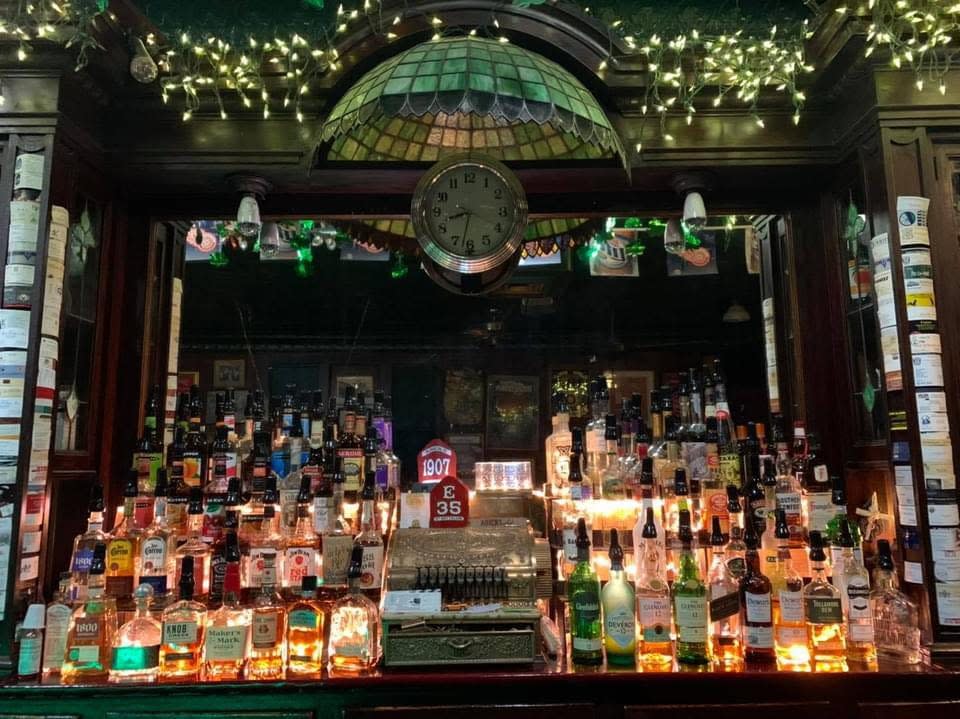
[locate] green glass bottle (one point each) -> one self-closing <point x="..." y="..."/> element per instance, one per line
<point x="690" y="601"/>
<point x="583" y="593"/>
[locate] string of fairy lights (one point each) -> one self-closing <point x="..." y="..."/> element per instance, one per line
<point x="682" y="74"/>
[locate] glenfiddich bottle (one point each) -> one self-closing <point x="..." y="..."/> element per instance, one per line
<point x="619" y="610"/>
<point x="757" y="606"/>
<point x="583" y="593"/>
<point x="690" y="602"/>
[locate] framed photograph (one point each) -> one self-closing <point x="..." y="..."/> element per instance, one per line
<point x="463" y="398"/>
<point x="229" y="373"/>
<point x="185" y="380"/>
<point x="513" y="412"/>
<point x="361" y="381"/>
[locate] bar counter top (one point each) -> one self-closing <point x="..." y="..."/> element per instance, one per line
<point x="542" y="691"/>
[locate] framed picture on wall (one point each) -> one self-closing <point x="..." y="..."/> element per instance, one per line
<point x="361" y="380"/>
<point x="229" y="373"/>
<point x="463" y="398"/>
<point x="513" y="412"/>
<point x="185" y="380"/>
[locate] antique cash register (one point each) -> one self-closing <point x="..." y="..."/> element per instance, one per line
<point x="462" y="596"/>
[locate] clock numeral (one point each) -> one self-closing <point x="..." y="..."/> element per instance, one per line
<point x="486" y="183"/>
<point x="454" y="183"/>
<point x="498" y="194"/>
<point x="456" y="239"/>
<point x="485" y="240"/>
<point x="442" y="197"/>
<point x="501" y="212"/>
<point x="442" y="227"/>
<point x="499" y="227"/>
<point x="469" y="178"/>
<point x="437" y="212"/>
<point x="468" y="245"/>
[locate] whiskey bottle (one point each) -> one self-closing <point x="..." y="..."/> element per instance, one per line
<point x="618" y="600"/>
<point x="92" y="628"/>
<point x="757" y="606"/>
<point x="649" y="500"/>
<point x="184" y="622"/>
<point x="84" y="544"/>
<point x="653" y="598"/>
<point x="195" y="447"/>
<point x="790" y="630"/>
<point x="354" y="625"/>
<point x="269" y="628"/>
<point x="350" y="454"/>
<point x="300" y="549"/>
<point x="316" y="433"/>
<point x="895" y="617"/>
<point x="136" y="649"/>
<point x="724" y="595"/>
<point x="823" y="612"/>
<point x="371" y="540"/>
<point x="178" y="493"/>
<point x="57" y="624"/>
<point x="123" y="547"/>
<point x="148" y="454"/>
<point x="226" y="643"/>
<point x="224" y="456"/>
<point x="226" y="549"/>
<point x="861" y="642"/>
<point x="195" y="548"/>
<point x="583" y="593"/>
<point x="690" y="602"/>
<point x="305" y="633"/>
<point x="336" y="542"/>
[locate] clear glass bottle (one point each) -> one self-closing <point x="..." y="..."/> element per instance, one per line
<point x="354" y="625"/>
<point x="861" y="642"/>
<point x="305" y="633"/>
<point x="618" y="600"/>
<point x="596" y="432"/>
<point x="649" y="500"/>
<point x="690" y="602"/>
<point x="136" y="649"/>
<point x="756" y="620"/>
<point x="557" y="448"/>
<point x="653" y="598"/>
<point x="300" y="555"/>
<point x="612" y="482"/>
<point x="226" y="644"/>
<point x="123" y="547"/>
<point x="789" y="498"/>
<point x="184" y="622"/>
<point x="724" y="595"/>
<point x="583" y="594"/>
<point x="371" y="540"/>
<point x="84" y="544"/>
<point x="92" y="628"/>
<point x="790" y="630"/>
<point x="195" y="548"/>
<point x="158" y="544"/>
<point x="57" y="624"/>
<point x="895" y="618"/>
<point x="823" y="611"/>
<point x="736" y="550"/>
<point x="336" y="541"/>
<point x="269" y="628"/>
<point x="30" y="644"/>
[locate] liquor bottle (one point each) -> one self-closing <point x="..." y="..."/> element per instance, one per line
<point x="194" y="446"/>
<point x="335" y="540"/>
<point x="724" y="595"/>
<point x="259" y="539"/>
<point x="619" y="610"/>
<point x="895" y="618"/>
<point x="823" y="611"/>
<point x="29" y="638"/>
<point x="580" y="489"/>
<point x="354" y="625"/>
<point x="736" y="549"/>
<point x="820" y="508"/>
<point x="757" y="606"/>
<point x="305" y="424"/>
<point x="316" y="419"/>
<point x="724" y="417"/>
<point x="653" y="595"/>
<point x="690" y="602"/>
<point x="230" y="412"/>
<point x="226" y="642"/>
<point x="714" y="489"/>
<point x="649" y="502"/>
<point x="583" y="593"/>
<point x="755" y="509"/>
<point x="665" y="470"/>
<point x="195" y="548"/>
<point x="371" y="447"/>
<point x="557" y="448"/>
<point x="92" y="628"/>
<point x="371" y="540"/>
<point x="789" y="498"/>
<point x="57" y="624"/>
<point x="596" y="433"/>
<point x="612" y="484"/>
<point x="854" y="586"/>
<point x="158" y="544"/>
<point x="84" y="544"/>
<point x="350" y="453"/>
<point x="136" y="649"/>
<point x="790" y="630"/>
<point x="184" y="622"/>
<point x="769" y="481"/>
<point x="178" y="493"/>
<point x="696" y="425"/>
<point x="313" y="468"/>
<point x="677" y="499"/>
<point x="729" y="459"/>
<point x="269" y="628"/>
<point x="123" y="547"/>
<point x="656" y="423"/>
<point x="183" y="411"/>
<point x="224" y="456"/>
<point x="305" y="633"/>
<point x="226" y="548"/>
<point x="148" y="453"/>
<point x="300" y="556"/>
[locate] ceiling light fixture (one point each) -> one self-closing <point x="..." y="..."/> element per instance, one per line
<point x="252" y="189"/>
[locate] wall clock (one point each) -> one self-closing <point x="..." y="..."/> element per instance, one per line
<point x="470" y="214"/>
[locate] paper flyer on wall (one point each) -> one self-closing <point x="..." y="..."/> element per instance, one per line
<point x="948" y="603"/>
<point x="943" y="514"/>
<point x="29" y="568"/>
<point x="917" y="264"/>
<point x="38" y="469"/>
<point x="14" y="329"/>
<point x="176" y="300"/>
<point x="933" y="422"/>
<point x="912" y="220"/>
<point x="906" y="506"/>
<point x="903" y="475"/>
<point x="931" y="402"/>
<point x="928" y="370"/>
<point x="892" y="368"/>
<point x="913" y="572"/>
<point x="880" y="251"/>
<point x="13" y="364"/>
<point x="925" y="343"/>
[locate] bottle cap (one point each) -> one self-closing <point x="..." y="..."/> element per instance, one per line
<point x="782" y="529"/>
<point x="160" y="490"/>
<point x="308" y="584"/>
<point x="130" y="488"/>
<point x="733" y="499"/>
<point x="196" y="501"/>
<point x="680" y="486"/>
<point x="356" y="562"/>
<point x="144" y="591"/>
<point x="35" y="617"/>
<point x="816" y="547"/>
<point x="583" y="539"/>
<point x="649" y="526"/>
<point x="685" y="533"/>
<point x="884" y="555"/>
<point x="846" y="536"/>
<point x="716" y="536"/>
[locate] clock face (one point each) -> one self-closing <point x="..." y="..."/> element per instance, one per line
<point x="470" y="214"/>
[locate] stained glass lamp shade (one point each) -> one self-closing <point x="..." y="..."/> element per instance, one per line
<point x="465" y="93"/>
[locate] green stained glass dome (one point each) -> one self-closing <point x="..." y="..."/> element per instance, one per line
<point x="464" y="93"/>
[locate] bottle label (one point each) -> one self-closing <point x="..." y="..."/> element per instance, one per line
<point x="336" y="557"/>
<point x="758" y="637"/>
<point x="304" y="619"/>
<point x="596" y="440"/>
<point x="352" y="468"/>
<point x="316" y="430"/>
<point x="120" y="556"/>
<point x="179" y="632"/>
<point x="587" y="644"/>
<point x="134" y="658"/>
<point x="791" y="606"/>
<point x="372" y="567"/>
<point x="158" y="582"/>
<point x="859" y="611"/>
<point x="176" y="513"/>
<point x="824" y="610"/>
<point x="120" y="586"/>
<point x="28" y="662"/>
<point x="620" y="625"/>
<point x="655" y="619"/>
<point x="280" y="463"/>
<point x="256" y="565"/>
<point x="84" y="654"/>
<point x="791" y="636"/>
<point x="586" y="605"/>
<point x="82" y="560"/>
<point x="561" y="462"/>
<point x="153" y="556"/>
<point x="820" y="474"/>
<point x="570" y="544"/>
<point x="298" y="562"/>
<point x="192" y="469"/>
<point x="792" y="505"/>
<point x="820" y="510"/>
<point x="737" y="566"/>
<point x="725" y="606"/>
<point x="147" y="464"/>
<point x="322" y="510"/>
<point x="288" y="507"/>
<point x="729" y="472"/>
<point x="691" y="615"/>
<point x="758" y="607"/>
<point x="265" y="629"/>
<point x="226" y="644"/>
<point x="142" y="512"/>
<point x="55" y="638"/>
<point x="87" y="629"/>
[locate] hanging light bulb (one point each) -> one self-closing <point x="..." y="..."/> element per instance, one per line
<point x="673" y="241"/>
<point x="142" y="67"/>
<point x="694" y="210"/>
<point x="270" y="240"/>
<point x="248" y="216"/>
